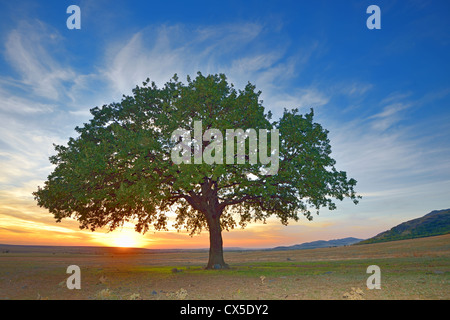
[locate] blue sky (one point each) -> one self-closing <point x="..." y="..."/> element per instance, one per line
<point x="384" y="95"/>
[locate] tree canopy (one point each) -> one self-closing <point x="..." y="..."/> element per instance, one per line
<point x="119" y="168"/>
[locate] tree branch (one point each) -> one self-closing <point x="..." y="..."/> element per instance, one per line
<point x="236" y="201"/>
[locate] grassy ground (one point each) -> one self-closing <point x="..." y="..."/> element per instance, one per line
<point x="410" y="269"/>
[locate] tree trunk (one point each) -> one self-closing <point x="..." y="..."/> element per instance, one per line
<point x="216" y="260"/>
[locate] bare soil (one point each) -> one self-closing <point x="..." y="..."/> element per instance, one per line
<point x="410" y="269"/>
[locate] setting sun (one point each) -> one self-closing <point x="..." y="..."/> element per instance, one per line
<point x="125" y="240"/>
<point x="126" y="237"/>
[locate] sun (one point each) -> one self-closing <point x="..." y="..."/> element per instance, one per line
<point x="124" y="237"/>
<point x="125" y="240"/>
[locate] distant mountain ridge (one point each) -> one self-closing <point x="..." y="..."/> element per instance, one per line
<point x="435" y="223"/>
<point x="320" y="244"/>
<point x="4" y="248"/>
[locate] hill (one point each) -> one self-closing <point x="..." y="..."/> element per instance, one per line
<point x="432" y="224"/>
<point x="320" y="244"/>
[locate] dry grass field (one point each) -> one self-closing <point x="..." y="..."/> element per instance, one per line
<point x="410" y="269"/>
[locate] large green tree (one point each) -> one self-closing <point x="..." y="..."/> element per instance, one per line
<point x="119" y="168"/>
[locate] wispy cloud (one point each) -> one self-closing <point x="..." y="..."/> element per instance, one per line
<point x="11" y="103"/>
<point x="389" y="116"/>
<point x="160" y="52"/>
<point x="131" y="64"/>
<point x="353" y="89"/>
<point x="238" y="50"/>
<point x="26" y="49"/>
<point x="396" y="166"/>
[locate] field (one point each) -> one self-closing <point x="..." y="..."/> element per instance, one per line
<point x="410" y="269"/>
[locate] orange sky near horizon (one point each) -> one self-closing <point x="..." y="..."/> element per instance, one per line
<point x="22" y="222"/>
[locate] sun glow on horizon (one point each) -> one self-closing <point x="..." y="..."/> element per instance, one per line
<point x="126" y="237"/>
<point x="125" y="241"/>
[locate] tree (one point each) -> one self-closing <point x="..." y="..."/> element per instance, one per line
<point x="120" y="168"/>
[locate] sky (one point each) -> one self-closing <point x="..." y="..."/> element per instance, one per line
<point x="383" y="94"/>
